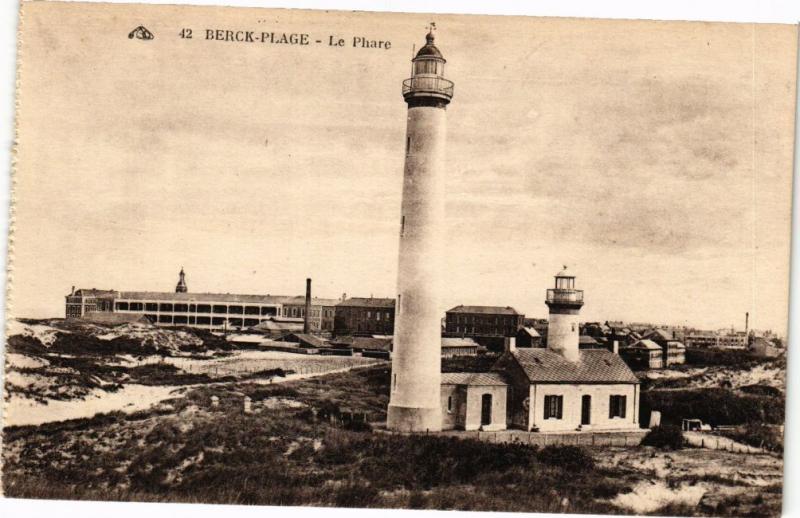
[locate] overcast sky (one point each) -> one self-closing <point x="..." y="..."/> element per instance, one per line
<point x="654" y="159"/>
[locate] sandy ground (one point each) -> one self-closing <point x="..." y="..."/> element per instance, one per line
<point x="21" y="410"/>
<point x="46" y="334"/>
<point x="649" y="496"/>
<point x="681" y="476"/>
<point x="24" y="411"/>
<point x="710" y="377"/>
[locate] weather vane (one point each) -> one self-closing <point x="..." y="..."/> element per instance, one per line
<point x="431" y="27"/>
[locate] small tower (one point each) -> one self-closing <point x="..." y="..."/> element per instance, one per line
<point x="415" y="396"/>
<point x="181" y="287"/>
<point x="563" y="329"/>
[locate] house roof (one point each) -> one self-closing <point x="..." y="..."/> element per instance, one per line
<point x="473" y="378"/>
<point x="280" y="325"/>
<point x="306" y="339"/>
<point x="299" y="300"/>
<point x="484" y="310"/>
<point x="644" y="344"/>
<point x="459" y="342"/>
<point x="367" y="302"/>
<point x="594" y="366"/>
<point x="533" y="333"/>
<point x="659" y="334"/>
<point x="201" y="297"/>
<point x="369" y="342"/>
<point x="587" y="340"/>
<point x="92" y="292"/>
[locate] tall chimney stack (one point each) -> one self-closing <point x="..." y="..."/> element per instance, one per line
<point x="747" y="327"/>
<point x="308" y="306"/>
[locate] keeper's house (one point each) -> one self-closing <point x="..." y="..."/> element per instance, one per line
<point x="548" y="393"/>
<point x="560" y="388"/>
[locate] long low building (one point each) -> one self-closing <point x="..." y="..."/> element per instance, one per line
<point x="214" y="311"/>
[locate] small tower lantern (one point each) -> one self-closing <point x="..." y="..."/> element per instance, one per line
<point x="563" y="330"/>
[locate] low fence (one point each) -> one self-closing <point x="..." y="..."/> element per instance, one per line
<point x="622" y="438"/>
<point x="717" y="442"/>
<point x="301" y="366"/>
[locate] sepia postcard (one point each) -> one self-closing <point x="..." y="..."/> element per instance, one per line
<point x="381" y="260"/>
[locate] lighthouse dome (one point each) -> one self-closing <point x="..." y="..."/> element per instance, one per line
<point x="565" y="273"/>
<point x="429" y="49"/>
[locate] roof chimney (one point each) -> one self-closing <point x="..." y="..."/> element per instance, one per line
<point x="308" y="306"/>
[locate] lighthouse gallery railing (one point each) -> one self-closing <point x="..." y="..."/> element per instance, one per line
<point x="556" y="295"/>
<point x="437" y="85"/>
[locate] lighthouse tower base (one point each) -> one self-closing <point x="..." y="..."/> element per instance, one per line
<point x="407" y="419"/>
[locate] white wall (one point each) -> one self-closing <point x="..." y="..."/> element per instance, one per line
<point x="473" y="416"/>
<point x="571" y="416"/>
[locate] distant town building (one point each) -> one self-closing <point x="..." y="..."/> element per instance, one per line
<point x="213" y="311"/>
<point x="476" y="321"/>
<point x="643" y="355"/>
<point x="701" y="339"/>
<point x="589" y="342"/>
<point x="83" y="301"/>
<point x="459" y="346"/>
<point x="321" y="313"/>
<point x="528" y="336"/>
<point x="674" y="352"/>
<point x="730" y="339"/>
<point x="364" y="316"/>
<point x="763" y="348"/>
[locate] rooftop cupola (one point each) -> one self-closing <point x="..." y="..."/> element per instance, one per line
<point x="427" y="85"/>
<point x="181" y="287"/>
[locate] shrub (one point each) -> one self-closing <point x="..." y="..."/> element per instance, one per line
<point x="667" y="437"/>
<point x="572" y="458"/>
<point x="354" y="494"/>
<point x="708" y="357"/>
<point x="357" y="426"/>
<point x="759" y="435"/>
<point x="25" y="345"/>
<point x="715" y="406"/>
<point x="761" y="390"/>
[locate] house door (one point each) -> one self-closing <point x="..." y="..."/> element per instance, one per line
<point x="586" y="410"/>
<point x="486" y="409"/>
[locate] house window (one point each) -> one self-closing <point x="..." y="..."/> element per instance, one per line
<point x="402" y="225"/>
<point x="408" y="145"/>
<point x="616" y="406"/>
<point x="450" y="404"/>
<point x="394" y="382"/>
<point x="553" y="407"/>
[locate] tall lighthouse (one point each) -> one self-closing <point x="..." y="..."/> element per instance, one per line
<point x="414" y="403"/>
<point x="563" y="328"/>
